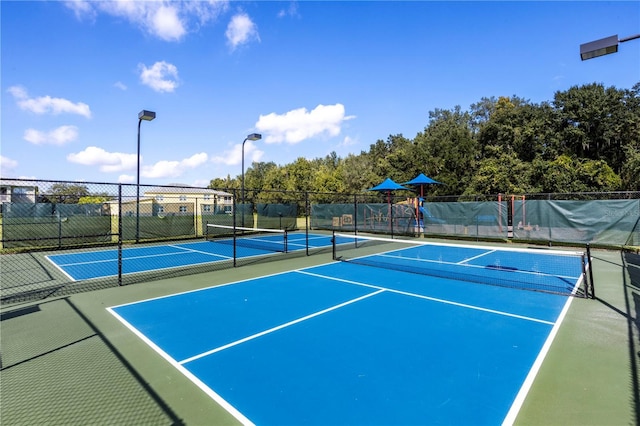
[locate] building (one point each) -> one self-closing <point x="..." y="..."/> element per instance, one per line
<point x="17" y="191"/>
<point x="176" y="199"/>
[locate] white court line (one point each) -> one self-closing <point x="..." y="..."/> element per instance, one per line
<point x="535" y="368"/>
<point x="271" y="330"/>
<point x="199" y="251"/>
<point x="203" y="288"/>
<point x="476" y="257"/>
<point x="434" y="299"/>
<point x="59" y="268"/>
<point x="184" y="251"/>
<point x="206" y="389"/>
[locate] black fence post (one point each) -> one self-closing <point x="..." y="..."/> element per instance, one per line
<point x="593" y="288"/>
<point x="119" y="234"/>
<point x="235" y="209"/>
<point x="355" y="214"/>
<point x="59" y="216"/>
<point x="307" y="212"/>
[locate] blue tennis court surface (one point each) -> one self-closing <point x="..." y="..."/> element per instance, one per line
<point x="104" y="263"/>
<point x="345" y="343"/>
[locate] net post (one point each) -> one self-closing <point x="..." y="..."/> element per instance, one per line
<point x="333" y="245"/>
<point x="593" y="288"/>
<point x="286" y="232"/>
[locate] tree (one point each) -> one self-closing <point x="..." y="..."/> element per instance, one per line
<point x="94" y="199"/>
<point x="447" y="151"/>
<point x="630" y="175"/>
<point x="255" y="175"/>
<point x="227" y="183"/>
<point x="566" y="174"/>
<point x="592" y="122"/>
<point x="67" y="193"/>
<point x="586" y="139"/>
<point x="501" y="173"/>
<point x="359" y="172"/>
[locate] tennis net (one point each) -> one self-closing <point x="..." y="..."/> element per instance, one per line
<point x="553" y="271"/>
<point x="274" y="240"/>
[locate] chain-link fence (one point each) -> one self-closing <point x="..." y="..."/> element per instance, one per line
<point x="64" y="237"/>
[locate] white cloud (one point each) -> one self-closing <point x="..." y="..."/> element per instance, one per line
<point x="241" y="30"/>
<point x="58" y="136"/>
<point x="174" y="168"/>
<point x="161" y="76"/>
<point x="47" y="104"/>
<point x="233" y="156"/>
<point x="126" y="179"/>
<point x="292" y="10"/>
<point x="82" y="9"/>
<point x="348" y="141"/>
<point x="167" y="20"/>
<point x="202" y="183"/>
<point x="107" y="161"/>
<point x="166" y="24"/>
<point x="120" y="85"/>
<point x="299" y="124"/>
<point x="7" y="165"/>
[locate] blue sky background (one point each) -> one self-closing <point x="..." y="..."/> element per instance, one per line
<point x="311" y="77"/>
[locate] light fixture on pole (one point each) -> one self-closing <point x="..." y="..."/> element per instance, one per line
<point x="602" y="47"/>
<point x="146" y="116"/>
<point x="252" y="137"/>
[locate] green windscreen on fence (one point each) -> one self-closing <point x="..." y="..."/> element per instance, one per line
<point x="365" y="217"/>
<point x="459" y="218"/>
<point x="610" y="222"/>
<point x="244" y="215"/>
<point x="606" y="222"/>
<point x="172" y="225"/>
<point x="467" y="219"/>
<point x="41" y="225"/>
<point x="217" y="216"/>
<point x="277" y="216"/>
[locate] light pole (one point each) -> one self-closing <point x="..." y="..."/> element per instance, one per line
<point x="146" y="116"/>
<point x="251" y="137"/>
<point x="602" y="47"/>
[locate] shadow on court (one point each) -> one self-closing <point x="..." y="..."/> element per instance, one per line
<point x="631" y="263"/>
<point x="57" y="368"/>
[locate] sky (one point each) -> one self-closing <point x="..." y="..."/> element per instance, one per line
<point x="312" y="77"/>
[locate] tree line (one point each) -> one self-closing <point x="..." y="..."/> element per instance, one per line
<point x="587" y="139"/>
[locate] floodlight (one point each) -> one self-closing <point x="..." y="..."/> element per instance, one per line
<point x="602" y="47"/>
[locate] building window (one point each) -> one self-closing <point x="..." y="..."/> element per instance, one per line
<point x="207" y="197"/>
<point x="206" y="208"/>
<point x="159" y="198"/>
<point x="183" y="209"/>
<point x="183" y="198"/>
<point x="160" y="209"/>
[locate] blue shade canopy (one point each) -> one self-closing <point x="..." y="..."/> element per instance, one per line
<point x="421" y="179"/>
<point x="387" y="185"/>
